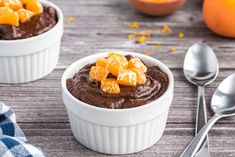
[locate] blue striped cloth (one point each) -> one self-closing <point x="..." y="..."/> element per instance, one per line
<point x="12" y="139"/>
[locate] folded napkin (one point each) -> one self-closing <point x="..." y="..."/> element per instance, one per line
<point x="12" y="139"/>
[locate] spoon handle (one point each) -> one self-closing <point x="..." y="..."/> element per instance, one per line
<point x="201" y="120"/>
<point x="194" y="146"/>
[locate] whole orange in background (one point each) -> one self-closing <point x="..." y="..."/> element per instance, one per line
<point x="219" y="15"/>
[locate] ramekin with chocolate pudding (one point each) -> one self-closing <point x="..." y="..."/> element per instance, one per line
<point x="117" y="113"/>
<point x="30" y="38"/>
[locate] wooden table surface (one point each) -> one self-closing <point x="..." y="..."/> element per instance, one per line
<point x="101" y="25"/>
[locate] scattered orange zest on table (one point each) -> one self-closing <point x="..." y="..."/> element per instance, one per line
<point x="173" y="49"/>
<point x="134" y="25"/>
<point x="149" y="53"/>
<point x="180" y="35"/>
<point x="166" y="29"/>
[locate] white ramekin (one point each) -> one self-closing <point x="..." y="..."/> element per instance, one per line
<point x="26" y="60"/>
<point x="117" y="131"/>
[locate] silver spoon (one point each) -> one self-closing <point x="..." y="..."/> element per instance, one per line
<point x="223" y="105"/>
<point x="201" y="68"/>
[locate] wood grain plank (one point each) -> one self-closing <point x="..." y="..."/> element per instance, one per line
<point x="57" y="140"/>
<point x="41" y="101"/>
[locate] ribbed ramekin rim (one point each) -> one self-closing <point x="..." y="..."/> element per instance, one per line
<point x="59" y="22"/>
<point x="160" y="64"/>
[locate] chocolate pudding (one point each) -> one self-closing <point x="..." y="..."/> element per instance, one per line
<point x="37" y="25"/>
<point x="130" y="96"/>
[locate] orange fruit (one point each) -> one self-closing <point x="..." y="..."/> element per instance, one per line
<point x="127" y="78"/>
<point x="8" y="16"/>
<point x="115" y="63"/>
<point x="141" y="78"/>
<point x="101" y="62"/>
<point x="25" y="15"/>
<point x="136" y="63"/>
<point x="13" y="4"/>
<point x="110" y="86"/>
<point x="219" y="16"/>
<point x="34" y="6"/>
<point x="98" y="73"/>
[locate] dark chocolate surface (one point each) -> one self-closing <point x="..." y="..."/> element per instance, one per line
<point x="90" y="92"/>
<point x="37" y="25"/>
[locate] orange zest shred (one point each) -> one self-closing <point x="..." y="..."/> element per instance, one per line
<point x="110" y="86"/>
<point x="155" y="46"/>
<point x="180" y="35"/>
<point x="166" y="29"/>
<point x="134" y="25"/>
<point x="131" y="36"/>
<point x="173" y="49"/>
<point x="149" y="53"/>
<point x="71" y="18"/>
<point x="141" y="39"/>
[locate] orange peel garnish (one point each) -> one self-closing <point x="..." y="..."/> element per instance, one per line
<point x="13" y="4"/>
<point x="137" y="63"/>
<point x="8" y="16"/>
<point x="166" y="29"/>
<point x="141" y="77"/>
<point x="127" y="78"/>
<point x="115" y="63"/>
<point x="25" y="15"/>
<point x="34" y="6"/>
<point x="134" y="25"/>
<point x="110" y="86"/>
<point x="98" y="73"/>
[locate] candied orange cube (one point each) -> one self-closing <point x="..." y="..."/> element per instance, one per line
<point x="34" y="6"/>
<point x="141" y="77"/>
<point x="13" y="4"/>
<point x="98" y="73"/>
<point x="102" y="62"/>
<point x="25" y="15"/>
<point x="110" y="86"/>
<point x="8" y="16"/>
<point x="127" y="78"/>
<point x="115" y="63"/>
<point x="136" y="63"/>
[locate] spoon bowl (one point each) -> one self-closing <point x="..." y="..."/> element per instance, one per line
<point x="223" y="100"/>
<point x="200" y="65"/>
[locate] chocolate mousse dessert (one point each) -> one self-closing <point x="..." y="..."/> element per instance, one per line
<point x="118" y="82"/>
<point x="20" y="19"/>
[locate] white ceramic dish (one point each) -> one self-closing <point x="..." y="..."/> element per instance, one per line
<point x="117" y="131"/>
<point x="26" y="60"/>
